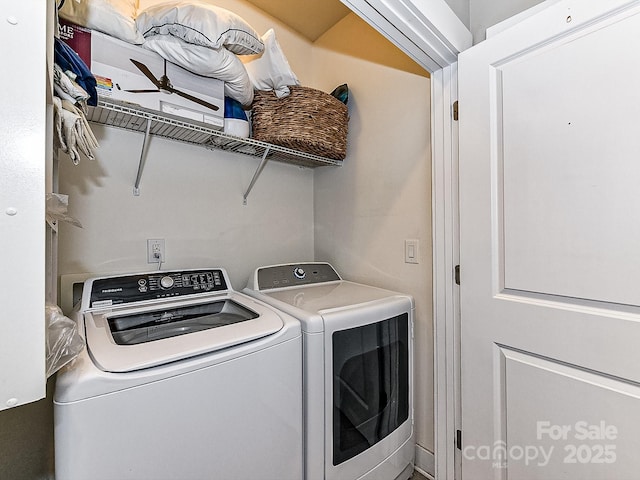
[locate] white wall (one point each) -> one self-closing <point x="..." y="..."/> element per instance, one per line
<point x="191" y="197"/>
<point x="461" y="9"/>
<point x="485" y="13"/>
<point x="478" y="15"/>
<point x="382" y="194"/>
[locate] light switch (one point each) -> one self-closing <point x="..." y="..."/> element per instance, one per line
<point x="411" y="251"/>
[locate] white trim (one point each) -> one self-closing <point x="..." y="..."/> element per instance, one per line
<point x="445" y="258"/>
<point x="425" y="462"/>
<point x="428" y="31"/>
<point x="23" y="157"/>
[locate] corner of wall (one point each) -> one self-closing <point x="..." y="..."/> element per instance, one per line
<point x="462" y="10"/>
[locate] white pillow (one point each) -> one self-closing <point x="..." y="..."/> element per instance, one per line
<point x="220" y="64"/>
<point x="113" y="17"/>
<point x="271" y="71"/>
<point x="200" y="24"/>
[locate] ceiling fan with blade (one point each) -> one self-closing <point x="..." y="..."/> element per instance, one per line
<point x="164" y="85"/>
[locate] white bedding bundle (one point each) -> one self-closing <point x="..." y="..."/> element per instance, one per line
<point x="200" y="23"/>
<point x="203" y="39"/>
<point x="113" y="17"/>
<point x="197" y="36"/>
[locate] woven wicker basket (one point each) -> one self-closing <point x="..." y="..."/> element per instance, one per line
<point x="307" y="120"/>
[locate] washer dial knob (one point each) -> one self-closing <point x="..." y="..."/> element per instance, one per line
<point x="166" y="282"/>
<point x="299" y="272"/>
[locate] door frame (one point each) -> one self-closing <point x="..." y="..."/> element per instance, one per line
<point x="432" y="35"/>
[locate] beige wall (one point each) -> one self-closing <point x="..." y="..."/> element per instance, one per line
<point x="353" y="37"/>
<point x="382" y="194"/>
<point x="191" y="197"/>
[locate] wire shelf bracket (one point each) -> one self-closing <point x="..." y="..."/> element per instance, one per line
<point x="263" y="162"/>
<point x="143" y="159"/>
<point x="132" y="117"/>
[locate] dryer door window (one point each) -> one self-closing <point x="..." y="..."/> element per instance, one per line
<point x="370" y="384"/>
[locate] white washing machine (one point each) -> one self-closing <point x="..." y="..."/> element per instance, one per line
<point x="182" y="378"/>
<point x="357" y="370"/>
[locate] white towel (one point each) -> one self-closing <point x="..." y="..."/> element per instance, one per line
<point x="73" y="133"/>
<point x="57" y="124"/>
<point x="83" y="129"/>
<point x="62" y="94"/>
<point x="69" y="121"/>
<point x="68" y="85"/>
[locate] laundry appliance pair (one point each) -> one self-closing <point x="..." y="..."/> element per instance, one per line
<point x="303" y="375"/>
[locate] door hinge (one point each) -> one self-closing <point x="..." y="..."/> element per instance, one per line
<point x="455" y="110"/>
<point x="459" y="439"/>
<point x="456" y="274"/>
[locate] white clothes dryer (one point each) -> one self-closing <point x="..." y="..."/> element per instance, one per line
<point x="357" y="370"/>
<point x="181" y="378"/>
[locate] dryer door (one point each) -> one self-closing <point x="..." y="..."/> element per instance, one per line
<point x="370" y="384"/>
<point x="368" y="389"/>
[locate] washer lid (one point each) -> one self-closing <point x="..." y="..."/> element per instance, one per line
<point x="127" y="339"/>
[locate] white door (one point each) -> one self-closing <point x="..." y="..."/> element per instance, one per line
<point x="550" y="246"/>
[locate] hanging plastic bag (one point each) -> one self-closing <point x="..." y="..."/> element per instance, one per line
<point x="57" y="209"/>
<point x="63" y="341"/>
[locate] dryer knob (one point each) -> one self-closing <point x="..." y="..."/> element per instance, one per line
<point x="166" y="282"/>
<point x="299" y="273"/>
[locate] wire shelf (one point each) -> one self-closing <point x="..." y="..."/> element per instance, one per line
<point x="135" y="118"/>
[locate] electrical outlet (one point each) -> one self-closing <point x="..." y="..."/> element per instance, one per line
<point x="155" y="250"/>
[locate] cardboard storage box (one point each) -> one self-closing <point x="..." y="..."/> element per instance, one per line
<point x="110" y="62"/>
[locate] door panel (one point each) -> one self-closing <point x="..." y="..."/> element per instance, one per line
<point x="549" y="142"/>
<point x="569" y="146"/>
<point x="574" y="434"/>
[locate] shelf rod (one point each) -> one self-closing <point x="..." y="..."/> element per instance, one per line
<point x="263" y="162"/>
<point x="145" y="144"/>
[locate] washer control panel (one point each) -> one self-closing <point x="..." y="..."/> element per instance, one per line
<point x="155" y="285"/>
<point x="292" y="275"/>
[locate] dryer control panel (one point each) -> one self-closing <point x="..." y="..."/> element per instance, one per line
<point x="153" y="286"/>
<point x="295" y="274"/>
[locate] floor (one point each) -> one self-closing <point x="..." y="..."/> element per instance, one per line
<point x="417" y="476"/>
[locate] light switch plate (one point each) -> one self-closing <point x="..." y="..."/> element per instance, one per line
<point x="411" y="251"/>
